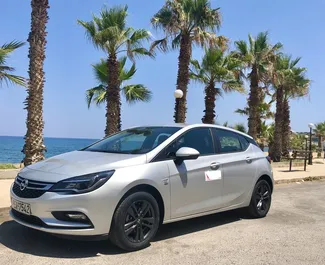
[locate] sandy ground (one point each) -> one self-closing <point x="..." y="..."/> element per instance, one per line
<point x="292" y="233"/>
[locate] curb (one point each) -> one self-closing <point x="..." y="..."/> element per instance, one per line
<point x="285" y="181"/>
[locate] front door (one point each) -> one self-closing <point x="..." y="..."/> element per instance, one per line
<point x="196" y="185"/>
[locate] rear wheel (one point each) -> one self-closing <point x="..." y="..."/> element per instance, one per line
<point x="261" y="199"/>
<point x="135" y="222"/>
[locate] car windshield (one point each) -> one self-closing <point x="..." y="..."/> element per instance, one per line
<point x="133" y="141"/>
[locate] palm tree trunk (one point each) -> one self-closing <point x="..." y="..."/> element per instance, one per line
<point x="319" y="152"/>
<point x="253" y="103"/>
<point x="113" y="97"/>
<point x="34" y="143"/>
<point x="286" y="129"/>
<point x="183" y="77"/>
<point x="210" y="99"/>
<point x="277" y="145"/>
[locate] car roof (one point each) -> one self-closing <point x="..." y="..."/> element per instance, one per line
<point x="184" y="125"/>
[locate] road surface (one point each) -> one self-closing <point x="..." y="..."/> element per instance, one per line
<point x="292" y="233"/>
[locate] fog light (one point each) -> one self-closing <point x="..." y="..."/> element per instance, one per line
<point x="76" y="216"/>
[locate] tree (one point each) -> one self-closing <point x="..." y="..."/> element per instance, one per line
<point x="132" y="93"/>
<point x="320" y="133"/>
<point x="286" y="78"/>
<point x="240" y="127"/>
<point x="5" y="76"/>
<point x="299" y="89"/>
<point x="258" y="56"/>
<point x="109" y="32"/>
<point x="34" y="143"/>
<point x="219" y="73"/>
<point x="186" y="22"/>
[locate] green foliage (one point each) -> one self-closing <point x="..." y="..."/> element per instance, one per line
<point x="132" y="93"/>
<point x="109" y="32"/>
<point x="194" y="18"/>
<point x="319" y="129"/>
<point x="240" y="127"/>
<point x="7" y="166"/>
<point x="218" y="68"/>
<point x="5" y="70"/>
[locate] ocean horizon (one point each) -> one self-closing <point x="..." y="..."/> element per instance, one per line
<point x="11" y="146"/>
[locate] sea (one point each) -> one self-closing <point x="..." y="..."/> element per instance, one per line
<point x="11" y="146"/>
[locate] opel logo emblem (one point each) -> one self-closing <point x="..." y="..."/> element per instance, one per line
<point x="23" y="184"/>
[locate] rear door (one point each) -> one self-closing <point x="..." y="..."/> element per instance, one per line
<point x="238" y="164"/>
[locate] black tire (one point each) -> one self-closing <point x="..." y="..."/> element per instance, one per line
<point x="133" y="227"/>
<point x="261" y="200"/>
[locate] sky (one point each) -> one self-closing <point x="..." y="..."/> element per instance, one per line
<point x="298" y="24"/>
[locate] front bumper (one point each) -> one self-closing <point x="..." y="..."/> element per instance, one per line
<point x="95" y="205"/>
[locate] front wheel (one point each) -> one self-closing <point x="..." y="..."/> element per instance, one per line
<point x="261" y="199"/>
<point x="135" y="222"/>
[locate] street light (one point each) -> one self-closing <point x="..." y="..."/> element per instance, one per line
<point x="310" y="160"/>
<point x="178" y="94"/>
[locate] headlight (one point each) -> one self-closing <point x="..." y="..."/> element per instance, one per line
<point x="82" y="184"/>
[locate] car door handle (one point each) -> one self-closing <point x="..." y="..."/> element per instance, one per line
<point x="248" y="160"/>
<point x="215" y="166"/>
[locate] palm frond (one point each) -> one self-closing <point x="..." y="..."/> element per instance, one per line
<point x="96" y="95"/>
<point x="135" y="93"/>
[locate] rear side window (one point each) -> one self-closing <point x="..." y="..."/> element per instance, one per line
<point x="229" y="142"/>
<point x="244" y="142"/>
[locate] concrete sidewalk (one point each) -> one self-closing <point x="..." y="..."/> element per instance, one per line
<point x="281" y="175"/>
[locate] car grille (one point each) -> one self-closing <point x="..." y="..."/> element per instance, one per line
<point x="29" y="219"/>
<point x="30" y="189"/>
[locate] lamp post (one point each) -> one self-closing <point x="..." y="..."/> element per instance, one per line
<point x="178" y="94"/>
<point x="310" y="160"/>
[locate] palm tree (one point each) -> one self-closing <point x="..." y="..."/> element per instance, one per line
<point x="258" y="56"/>
<point x="187" y="22"/>
<point x="5" y="70"/>
<point x="218" y="72"/>
<point x="240" y="127"/>
<point x="132" y="93"/>
<point x="299" y="89"/>
<point x="34" y="143"/>
<point x="109" y="32"/>
<point x="320" y="133"/>
<point x="286" y="77"/>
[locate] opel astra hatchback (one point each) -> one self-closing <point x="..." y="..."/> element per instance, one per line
<point x="128" y="184"/>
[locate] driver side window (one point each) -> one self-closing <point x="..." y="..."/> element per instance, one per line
<point x="198" y="138"/>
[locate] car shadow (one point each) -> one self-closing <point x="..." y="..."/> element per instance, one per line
<point x="29" y="241"/>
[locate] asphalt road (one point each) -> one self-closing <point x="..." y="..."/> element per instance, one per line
<point x="292" y="233"/>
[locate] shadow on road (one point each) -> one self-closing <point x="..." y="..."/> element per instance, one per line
<point x="29" y="241"/>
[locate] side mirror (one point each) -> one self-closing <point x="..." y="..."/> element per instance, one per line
<point x="186" y="153"/>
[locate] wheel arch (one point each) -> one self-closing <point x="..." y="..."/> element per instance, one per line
<point x="151" y="190"/>
<point x="268" y="179"/>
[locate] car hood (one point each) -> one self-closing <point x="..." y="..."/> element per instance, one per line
<point x="78" y="163"/>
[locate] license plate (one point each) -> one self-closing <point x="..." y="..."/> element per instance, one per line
<point x="21" y="207"/>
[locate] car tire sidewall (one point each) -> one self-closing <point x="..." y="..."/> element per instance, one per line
<point x="117" y="234"/>
<point x="253" y="207"/>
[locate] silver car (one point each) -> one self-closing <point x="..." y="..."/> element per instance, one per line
<point x="128" y="184"/>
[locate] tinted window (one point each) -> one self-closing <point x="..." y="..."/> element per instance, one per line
<point x="133" y="141"/>
<point x="229" y="141"/>
<point x="199" y="139"/>
<point x="244" y="142"/>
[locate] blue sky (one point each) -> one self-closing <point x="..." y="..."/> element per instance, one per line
<point x="297" y="24"/>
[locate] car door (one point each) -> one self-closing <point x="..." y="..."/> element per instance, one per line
<point x="238" y="165"/>
<point x="192" y="191"/>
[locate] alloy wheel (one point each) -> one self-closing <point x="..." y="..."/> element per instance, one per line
<point x="263" y="198"/>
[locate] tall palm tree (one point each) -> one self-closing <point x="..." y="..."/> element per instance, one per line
<point x="34" y="143"/>
<point x="258" y="56"/>
<point x="132" y="93"/>
<point x="320" y="133"/>
<point x="299" y="89"/>
<point x="187" y="22"/>
<point x="109" y="32"/>
<point x="5" y="75"/>
<point x="286" y="77"/>
<point x="218" y="72"/>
